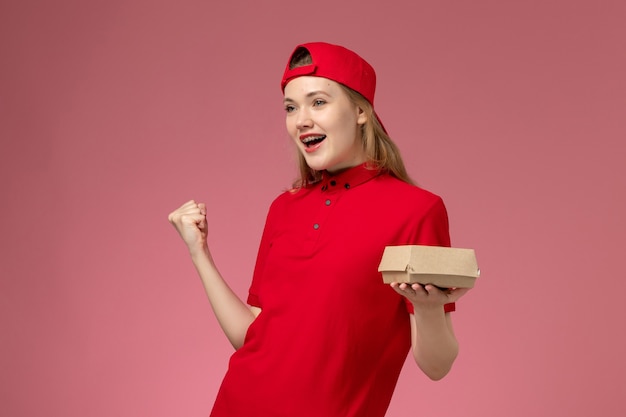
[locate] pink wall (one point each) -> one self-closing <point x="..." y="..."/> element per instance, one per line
<point x="113" y="113"/>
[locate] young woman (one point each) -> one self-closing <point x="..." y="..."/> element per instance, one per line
<point x="320" y="334"/>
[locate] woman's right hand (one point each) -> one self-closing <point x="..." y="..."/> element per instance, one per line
<point x="190" y="223"/>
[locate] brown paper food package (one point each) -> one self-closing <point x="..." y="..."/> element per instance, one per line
<point x="441" y="266"/>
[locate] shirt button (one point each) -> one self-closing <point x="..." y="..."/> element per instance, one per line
<point x="333" y="183"/>
<point x="316" y="226"/>
<point x="328" y="202"/>
<point x="347" y="186"/>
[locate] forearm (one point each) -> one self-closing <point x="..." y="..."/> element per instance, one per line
<point x="434" y="345"/>
<point x="233" y="315"/>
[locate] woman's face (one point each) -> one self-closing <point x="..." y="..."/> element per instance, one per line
<point x="324" y="123"/>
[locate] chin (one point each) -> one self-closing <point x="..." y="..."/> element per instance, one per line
<point x="316" y="165"/>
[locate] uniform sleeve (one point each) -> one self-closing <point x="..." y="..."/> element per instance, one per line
<point x="264" y="248"/>
<point x="433" y="230"/>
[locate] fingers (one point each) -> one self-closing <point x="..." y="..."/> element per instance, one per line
<point x="418" y="293"/>
<point x="411" y="291"/>
<point x="457" y="293"/>
<point x="190" y="211"/>
<point x="189" y="220"/>
<point x="410" y="288"/>
<point x="189" y="217"/>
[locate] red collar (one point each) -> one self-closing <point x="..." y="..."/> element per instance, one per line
<point x="349" y="178"/>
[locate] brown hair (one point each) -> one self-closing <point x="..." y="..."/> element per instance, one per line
<point x="381" y="152"/>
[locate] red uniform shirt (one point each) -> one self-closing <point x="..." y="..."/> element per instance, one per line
<point x="332" y="337"/>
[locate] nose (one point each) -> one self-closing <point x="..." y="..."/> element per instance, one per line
<point x="303" y="120"/>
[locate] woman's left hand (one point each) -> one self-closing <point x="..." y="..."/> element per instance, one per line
<point x="428" y="295"/>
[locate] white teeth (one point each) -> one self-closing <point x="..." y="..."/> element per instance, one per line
<point x="312" y="138"/>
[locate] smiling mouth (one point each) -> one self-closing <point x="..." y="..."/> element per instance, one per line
<point x="313" y="140"/>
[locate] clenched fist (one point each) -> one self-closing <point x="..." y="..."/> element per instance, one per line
<point x="190" y="222"/>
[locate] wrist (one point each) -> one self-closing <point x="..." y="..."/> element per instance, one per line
<point x="200" y="254"/>
<point x="428" y="311"/>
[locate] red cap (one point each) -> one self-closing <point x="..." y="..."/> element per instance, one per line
<point x="338" y="64"/>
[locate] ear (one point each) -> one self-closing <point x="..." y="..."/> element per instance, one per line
<point x="361" y="116"/>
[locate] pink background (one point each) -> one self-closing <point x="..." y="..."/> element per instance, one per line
<point x="113" y="113"/>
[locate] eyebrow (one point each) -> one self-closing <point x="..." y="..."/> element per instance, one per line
<point x="309" y="95"/>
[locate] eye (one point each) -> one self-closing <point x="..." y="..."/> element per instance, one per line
<point x="318" y="102"/>
<point x="289" y="108"/>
